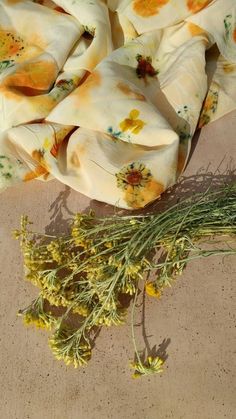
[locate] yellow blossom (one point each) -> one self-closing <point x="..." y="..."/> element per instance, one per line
<point x="152" y="290"/>
<point x="132" y="123"/>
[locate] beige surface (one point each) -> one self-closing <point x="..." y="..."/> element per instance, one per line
<point x="197" y="315"/>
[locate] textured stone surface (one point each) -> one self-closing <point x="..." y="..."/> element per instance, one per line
<point x="195" y="319"/>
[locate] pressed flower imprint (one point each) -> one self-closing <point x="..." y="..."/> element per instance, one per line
<point x="148" y="8"/>
<point x="138" y="183"/>
<point x="144" y="67"/>
<point x="37" y="75"/>
<point x="209" y="107"/>
<point x="11" y="45"/>
<point x="135" y="174"/>
<point x="132" y="123"/>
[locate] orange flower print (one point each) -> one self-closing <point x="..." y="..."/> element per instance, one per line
<point x="37" y="75"/>
<point x="85" y="90"/>
<point x="195" y="5"/>
<point x="147" y="8"/>
<point x="132" y="123"/>
<point x="128" y="91"/>
<point x="11" y="45"/>
<point x="195" y="30"/>
<point x="40" y="169"/>
<point x="138" y="184"/>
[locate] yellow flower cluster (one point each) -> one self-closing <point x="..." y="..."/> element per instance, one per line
<point x="85" y="273"/>
<point x="70" y="346"/>
<point x="153" y="365"/>
<point x="115" y="316"/>
<point x="35" y="315"/>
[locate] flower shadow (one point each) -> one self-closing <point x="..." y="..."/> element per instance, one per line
<point x="58" y="221"/>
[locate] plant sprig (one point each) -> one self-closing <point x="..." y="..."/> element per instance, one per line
<point x="86" y="272"/>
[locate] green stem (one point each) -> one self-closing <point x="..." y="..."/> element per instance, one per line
<point x="132" y="327"/>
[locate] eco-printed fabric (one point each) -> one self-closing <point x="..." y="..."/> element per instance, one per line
<point x="105" y="96"/>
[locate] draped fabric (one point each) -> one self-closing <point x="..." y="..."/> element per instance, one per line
<point x="105" y="96"/>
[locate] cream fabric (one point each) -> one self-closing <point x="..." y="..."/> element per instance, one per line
<point x="105" y="96"/>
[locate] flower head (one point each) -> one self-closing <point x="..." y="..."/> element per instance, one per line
<point x="152" y="365"/>
<point x="35" y="315"/>
<point x="70" y="346"/>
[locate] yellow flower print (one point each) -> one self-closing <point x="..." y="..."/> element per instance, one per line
<point x="195" y="30"/>
<point x="147" y="8"/>
<point x="229" y="67"/>
<point x="11" y="45"/>
<point x="47" y="144"/>
<point x="139" y="185"/>
<point x="195" y="5"/>
<point x="135" y="175"/>
<point x="132" y="123"/>
<point x="143" y="196"/>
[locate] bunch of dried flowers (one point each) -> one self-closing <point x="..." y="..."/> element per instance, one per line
<point x="87" y="271"/>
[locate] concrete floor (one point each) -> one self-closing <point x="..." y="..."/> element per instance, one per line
<point x="195" y="319"/>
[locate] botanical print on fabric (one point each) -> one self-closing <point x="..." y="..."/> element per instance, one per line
<point x="36" y="75"/>
<point x="183" y="128"/>
<point x="11" y="45"/>
<point x="209" y="107"/>
<point x="132" y="93"/>
<point x="132" y="123"/>
<point x="230" y="28"/>
<point x="40" y="169"/>
<point x="144" y="67"/>
<point x="135" y="175"/>
<point x="195" y="30"/>
<point x="148" y="8"/>
<point x="5" y="168"/>
<point x="126" y="77"/>
<point x="6" y="64"/>
<point x="195" y="5"/>
<point x="10" y="170"/>
<point x="137" y="181"/>
<point x="229" y="67"/>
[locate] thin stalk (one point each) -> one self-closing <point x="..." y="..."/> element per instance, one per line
<point x="132" y="327"/>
